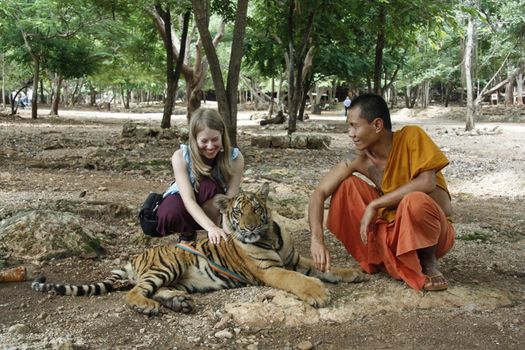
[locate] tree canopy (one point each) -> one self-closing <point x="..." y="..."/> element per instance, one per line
<point x="412" y="52"/>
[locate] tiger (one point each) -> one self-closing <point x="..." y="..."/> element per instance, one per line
<point x="257" y="252"/>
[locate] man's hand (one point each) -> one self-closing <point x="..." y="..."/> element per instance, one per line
<point x="320" y="255"/>
<point x="367" y="222"/>
<point x="215" y="233"/>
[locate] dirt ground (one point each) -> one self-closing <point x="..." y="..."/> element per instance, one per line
<point x="80" y="163"/>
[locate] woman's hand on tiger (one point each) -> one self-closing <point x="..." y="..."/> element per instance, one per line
<point x="215" y="234"/>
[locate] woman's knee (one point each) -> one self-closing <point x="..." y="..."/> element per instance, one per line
<point x="207" y="190"/>
<point x="171" y="210"/>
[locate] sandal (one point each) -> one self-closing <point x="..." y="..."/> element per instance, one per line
<point x="431" y="285"/>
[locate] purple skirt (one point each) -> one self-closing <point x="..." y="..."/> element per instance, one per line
<point x="172" y="216"/>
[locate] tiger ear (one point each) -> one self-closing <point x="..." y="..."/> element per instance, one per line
<point x="221" y="201"/>
<point x="264" y="190"/>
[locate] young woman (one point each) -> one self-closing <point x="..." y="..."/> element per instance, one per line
<point x="205" y="167"/>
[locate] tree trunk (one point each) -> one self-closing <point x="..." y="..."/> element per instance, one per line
<point x="425" y="94"/>
<point x="272" y="101"/>
<point x="280" y="97"/>
<point x="226" y="95"/>
<point x="448" y="88"/>
<point x="3" y="81"/>
<point x="291" y="69"/>
<point x="42" y="98"/>
<point x="126" y="96"/>
<point x="469" y="50"/>
<point x="297" y="72"/>
<point x="170" y="76"/>
<point x="36" y="77"/>
<point x="56" y="96"/>
<point x="306" y="86"/>
<point x="194" y="76"/>
<point x="380" y="44"/>
<point x="509" y="94"/>
<point x="519" y="88"/>
<point x="76" y="92"/>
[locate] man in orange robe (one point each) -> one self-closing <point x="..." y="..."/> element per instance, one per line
<point x="399" y="225"/>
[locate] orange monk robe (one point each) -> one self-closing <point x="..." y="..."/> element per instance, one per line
<point x="417" y="222"/>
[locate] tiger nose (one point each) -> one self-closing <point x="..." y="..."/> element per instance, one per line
<point x="252" y="222"/>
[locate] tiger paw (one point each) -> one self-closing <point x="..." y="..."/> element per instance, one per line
<point x="142" y="304"/>
<point x="180" y="303"/>
<point x="315" y="294"/>
<point x="176" y="300"/>
<point x="354" y="275"/>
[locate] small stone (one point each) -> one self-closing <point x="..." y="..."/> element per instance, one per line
<point x="19" y="328"/>
<point x="62" y="344"/>
<point x="194" y="339"/>
<point x="42" y="316"/>
<point x="223" y="334"/>
<point x="470" y="307"/>
<point x="253" y="346"/>
<point x="305" y="345"/>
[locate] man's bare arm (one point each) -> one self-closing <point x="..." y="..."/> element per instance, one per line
<point x="327" y="186"/>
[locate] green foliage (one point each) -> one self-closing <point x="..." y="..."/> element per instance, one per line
<point x="477" y="236"/>
<point x="70" y="58"/>
<point x="115" y="44"/>
<point x="155" y="164"/>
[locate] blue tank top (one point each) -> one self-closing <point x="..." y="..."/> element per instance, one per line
<point x="186" y="156"/>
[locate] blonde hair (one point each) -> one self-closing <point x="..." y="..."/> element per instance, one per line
<point x="201" y="119"/>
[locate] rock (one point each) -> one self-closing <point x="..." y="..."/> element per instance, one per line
<point x="282" y="308"/>
<point x="129" y="130"/>
<point x="305" y="345"/>
<point x="45" y="234"/>
<point x="223" y="334"/>
<point x="298" y="141"/>
<point x="19" y="328"/>
<point x="260" y="141"/>
<point x="62" y="344"/>
<point x="194" y="339"/>
<point x="318" y="142"/>
<point x="280" y="141"/>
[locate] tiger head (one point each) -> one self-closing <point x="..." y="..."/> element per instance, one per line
<point x="247" y="215"/>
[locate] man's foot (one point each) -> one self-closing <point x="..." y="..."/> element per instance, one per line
<point x="435" y="283"/>
<point x="434" y="278"/>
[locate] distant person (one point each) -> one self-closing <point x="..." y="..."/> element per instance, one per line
<point x="29" y="96"/>
<point x="14" y="99"/>
<point x="347" y="102"/>
<point x="402" y="225"/>
<point x="205" y="167"/>
<point x="22" y="99"/>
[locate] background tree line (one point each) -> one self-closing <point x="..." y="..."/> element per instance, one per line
<point x="283" y="54"/>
